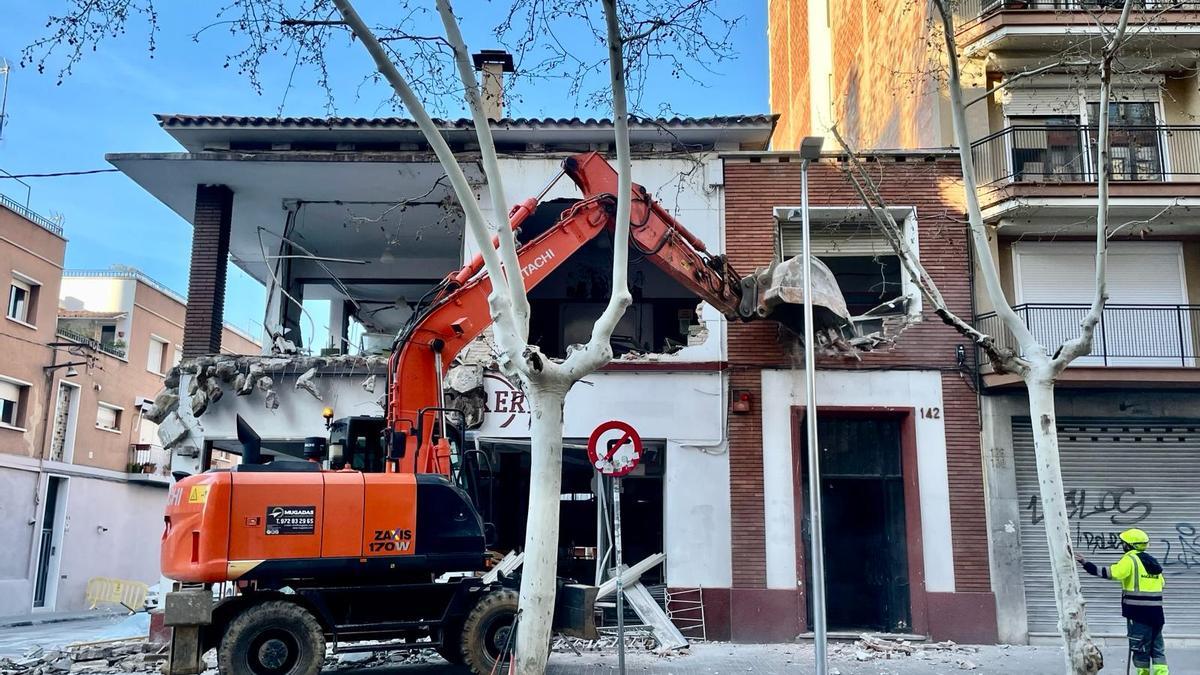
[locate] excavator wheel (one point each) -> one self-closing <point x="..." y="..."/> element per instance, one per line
<point x="488" y="631"/>
<point x="276" y="637"/>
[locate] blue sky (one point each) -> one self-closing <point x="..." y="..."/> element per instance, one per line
<point x="108" y="103"/>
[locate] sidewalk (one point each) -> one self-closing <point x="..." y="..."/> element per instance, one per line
<point x="38" y="618"/>
<point x="63" y="629"/>
<point x="730" y="659"/>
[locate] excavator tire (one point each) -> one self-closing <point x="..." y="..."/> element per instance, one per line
<point x="488" y="631"/>
<point x="276" y="637"/>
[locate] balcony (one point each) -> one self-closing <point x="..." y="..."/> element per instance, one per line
<point x="1025" y="25"/>
<point x="116" y="349"/>
<point x="149" y="464"/>
<point x="1068" y="154"/>
<point x="1028" y="173"/>
<point x="1129" y="340"/>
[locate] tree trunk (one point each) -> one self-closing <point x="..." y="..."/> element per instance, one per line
<point x="1082" y="655"/>
<point x="539" y="573"/>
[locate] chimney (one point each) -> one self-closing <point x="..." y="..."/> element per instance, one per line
<point x="493" y="63"/>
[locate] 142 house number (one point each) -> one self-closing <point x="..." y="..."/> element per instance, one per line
<point x="931" y="413"/>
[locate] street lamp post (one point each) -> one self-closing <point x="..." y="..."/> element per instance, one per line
<point x="810" y="150"/>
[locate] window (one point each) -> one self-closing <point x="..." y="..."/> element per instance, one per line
<point x="1134" y="148"/>
<point x="12" y="403"/>
<point x="1047" y="148"/>
<point x="156" y="355"/>
<point x="108" y="417"/>
<point x="868" y="272"/>
<point x="22" y="299"/>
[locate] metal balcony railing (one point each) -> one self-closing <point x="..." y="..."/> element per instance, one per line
<point x="979" y="9"/>
<point x="149" y="461"/>
<point x="1161" y="336"/>
<point x="1066" y="153"/>
<point x="106" y="347"/>
<point x="32" y="217"/>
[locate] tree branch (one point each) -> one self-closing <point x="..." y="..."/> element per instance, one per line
<point x="491" y="169"/>
<point x="1024" y="74"/>
<point x="1074" y="348"/>
<point x="987" y="263"/>
<point x="506" y="334"/>
<point x="1004" y="359"/>
<point x="598" y="351"/>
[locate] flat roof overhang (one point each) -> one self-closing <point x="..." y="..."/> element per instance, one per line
<point x="343" y="198"/>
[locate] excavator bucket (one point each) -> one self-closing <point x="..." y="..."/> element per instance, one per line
<point x="781" y="297"/>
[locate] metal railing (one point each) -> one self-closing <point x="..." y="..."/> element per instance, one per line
<point x="118" y="273"/>
<point x="1128" y="335"/>
<point x="1066" y="153"/>
<point x="149" y="460"/>
<point x="106" y="347"/>
<point x="969" y="10"/>
<point x="29" y="215"/>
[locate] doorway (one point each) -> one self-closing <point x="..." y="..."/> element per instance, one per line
<point x="863" y="511"/>
<point x="54" y="516"/>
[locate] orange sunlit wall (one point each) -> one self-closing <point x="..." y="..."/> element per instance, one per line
<point x="787" y="33"/>
<point x="882" y="95"/>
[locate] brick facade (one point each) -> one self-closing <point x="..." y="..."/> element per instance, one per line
<point x="932" y="186"/>
<point x="206" y="280"/>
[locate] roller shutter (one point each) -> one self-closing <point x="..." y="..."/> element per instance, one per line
<point x="1116" y="474"/>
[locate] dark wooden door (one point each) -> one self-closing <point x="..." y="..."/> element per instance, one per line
<point x="862" y="504"/>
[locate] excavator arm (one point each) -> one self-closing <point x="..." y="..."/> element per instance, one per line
<point x="459" y="312"/>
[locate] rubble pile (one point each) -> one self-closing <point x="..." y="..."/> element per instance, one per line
<point x="214" y="376"/>
<point x="871" y="647"/>
<point x="136" y="655"/>
<point x="636" y="642"/>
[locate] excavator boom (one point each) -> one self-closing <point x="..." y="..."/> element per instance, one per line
<point x="459" y="311"/>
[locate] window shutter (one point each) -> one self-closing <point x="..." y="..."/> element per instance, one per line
<point x="10" y="391"/>
<point x="106" y="417"/>
<point x="833" y="240"/>
<point x="154" y="357"/>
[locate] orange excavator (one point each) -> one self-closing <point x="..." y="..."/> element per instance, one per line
<point x="348" y="547"/>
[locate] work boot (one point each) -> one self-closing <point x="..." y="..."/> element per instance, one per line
<point x="1142" y="670"/>
<point x="1160" y="669"/>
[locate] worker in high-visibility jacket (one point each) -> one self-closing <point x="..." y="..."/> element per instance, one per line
<point x="1141" y="600"/>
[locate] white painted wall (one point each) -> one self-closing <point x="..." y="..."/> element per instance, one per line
<point x="299" y="413"/>
<point x="697" y="510"/>
<point x="680" y="406"/>
<point x="686" y="409"/>
<point x="680" y="185"/>
<point x="99" y="294"/>
<point x="128" y="549"/>
<point x="18" y="515"/>
<point x="782" y="389"/>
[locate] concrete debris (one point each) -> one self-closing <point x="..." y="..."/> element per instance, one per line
<point x="464" y="378"/>
<point x="635" y="640"/>
<point x="210" y="377"/>
<point x="136" y="655"/>
<point x="306" y="383"/>
<point x="872" y="647"/>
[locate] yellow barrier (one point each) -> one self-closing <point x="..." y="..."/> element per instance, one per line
<point x="129" y="594"/>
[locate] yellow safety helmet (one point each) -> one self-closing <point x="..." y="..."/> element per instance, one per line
<point x="1135" y="538"/>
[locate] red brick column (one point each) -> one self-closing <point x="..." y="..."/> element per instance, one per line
<point x="206" y="277"/>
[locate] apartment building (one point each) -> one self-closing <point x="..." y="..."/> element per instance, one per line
<point x="84" y="476"/>
<point x="1034" y="145"/>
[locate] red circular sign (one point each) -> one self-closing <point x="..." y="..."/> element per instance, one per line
<point x="622" y="450"/>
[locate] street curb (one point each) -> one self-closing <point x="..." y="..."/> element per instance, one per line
<point x="34" y="620"/>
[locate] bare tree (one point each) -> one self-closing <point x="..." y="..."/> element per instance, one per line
<point x="670" y="30"/>
<point x="1038" y="365"/>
